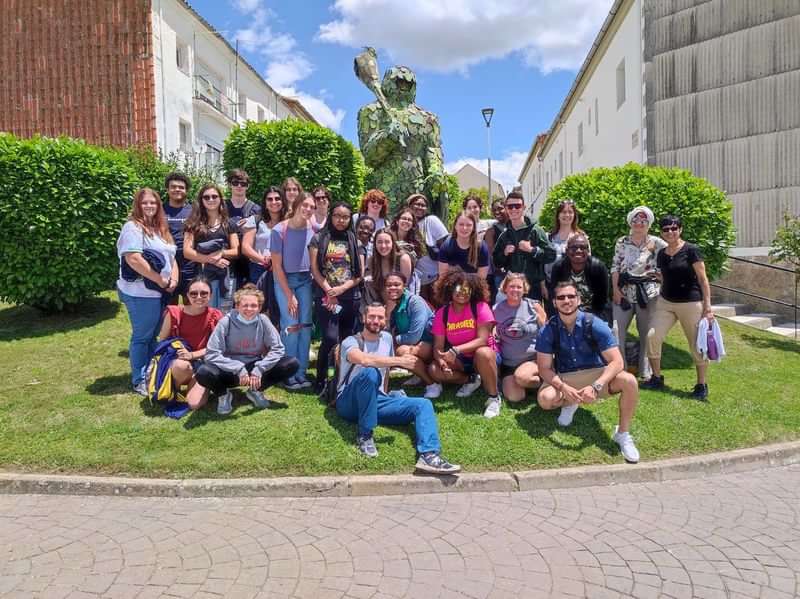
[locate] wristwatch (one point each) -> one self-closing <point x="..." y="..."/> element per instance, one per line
<point x="598" y="387"/>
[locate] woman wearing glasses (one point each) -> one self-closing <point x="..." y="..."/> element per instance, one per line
<point x="685" y="297"/>
<point x="634" y="281"/>
<point x="322" y="199"/>
<point x="404" y="227"/>
<point x="432" y="234"/>
<point x="193" y="322"/>
<point x="374" y="204"/>
<point x="209" y="240"/>
<point x="336" y="268"/>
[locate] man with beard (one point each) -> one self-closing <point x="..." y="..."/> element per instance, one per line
<point x="177" y="211"/>
<point x="365" y="360"/>
<point x="587" y="273"/>
<point x="579" y="362"/>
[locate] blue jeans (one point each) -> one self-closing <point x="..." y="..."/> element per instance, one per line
<point x="364" y="402"/>
<point x="296" y="343"/>
<point x="145" y="316"/>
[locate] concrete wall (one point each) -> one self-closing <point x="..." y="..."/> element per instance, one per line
<point x="722" y="88"/>
<point x="618" y="136"/>
<point x="766" y="282"/>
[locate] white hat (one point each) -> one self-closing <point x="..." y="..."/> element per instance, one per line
<point x="641" y="210"/>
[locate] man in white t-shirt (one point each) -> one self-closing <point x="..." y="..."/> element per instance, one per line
<point x="365" y="360"/>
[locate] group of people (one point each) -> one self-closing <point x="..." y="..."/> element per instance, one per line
<point x="494" y="303"/>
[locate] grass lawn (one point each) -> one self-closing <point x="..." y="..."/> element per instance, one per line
<point x="65" y="406"/>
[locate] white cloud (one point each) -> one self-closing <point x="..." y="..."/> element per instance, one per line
<point x="505" y="171"/>
<point x="452" y="35"/>
<point x="286" y="65"/>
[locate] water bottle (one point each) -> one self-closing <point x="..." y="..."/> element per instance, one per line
<point x="226" y="303"/>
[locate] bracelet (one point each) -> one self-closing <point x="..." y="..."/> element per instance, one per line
<point x="454" y="350"/>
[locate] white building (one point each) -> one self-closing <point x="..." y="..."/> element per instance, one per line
<point x="469" y="177"/>
<point x="602" y="120"/>
<point x="203" y="88"/>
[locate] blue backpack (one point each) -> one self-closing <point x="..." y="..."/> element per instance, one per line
<point x="161" y="389"/>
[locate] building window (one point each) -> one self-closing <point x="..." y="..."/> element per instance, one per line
<point x="261" y="115"/>
<point x="590" y="117"/>
<point x="621" y="83"/>
<point x="182" y="57"/>
<point x="580" y="139"/>
<point x="596" y="118"/>
<point x="185" y="136"/>
<point x="561" y="165"/>
<point x="635" y="139"/>
<point x="571" y="164"/>
<point x="213" y="156"/>
<point x="242" y="106"/>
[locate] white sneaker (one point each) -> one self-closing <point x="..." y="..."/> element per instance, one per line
<point x="414" y="381"/>
<point x="225" y="404"/>
<point x="567" y="414"/>
<point x="433" y="391"/>
<point x="626" y="446"/>
<point x="492" y="407"/>
<point x="470" y="386"/>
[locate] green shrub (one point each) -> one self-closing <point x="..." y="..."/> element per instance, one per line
<point x="604" y="196"/>
<point x="270" y="152"/>
<point x="63" y="203"/>
<point x="151" y="170"/>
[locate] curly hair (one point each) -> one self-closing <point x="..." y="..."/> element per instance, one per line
<point x="249" y="289"/>
<point x="374" y="194"/>
<point x="445" y="285"/>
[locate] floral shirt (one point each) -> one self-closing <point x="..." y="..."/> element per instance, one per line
<point x="637" y="261"/>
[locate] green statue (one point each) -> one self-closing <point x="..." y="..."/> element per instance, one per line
<point x="400" y="141"/>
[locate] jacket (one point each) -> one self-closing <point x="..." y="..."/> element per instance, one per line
<point x="531" y="264"/>
<point x="596" y="277"/>
<point x="410" y="319"/>
<point x="702" y="339"/>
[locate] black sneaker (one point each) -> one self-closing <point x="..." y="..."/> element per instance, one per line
<point x="434" y="463"/>
<point x="654" y="382"/>
<point x="700" y="392"/>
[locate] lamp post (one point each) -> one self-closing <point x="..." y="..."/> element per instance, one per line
<point x="487" y="117"/>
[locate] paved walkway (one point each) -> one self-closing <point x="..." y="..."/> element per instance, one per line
<point x="726" y="536"/>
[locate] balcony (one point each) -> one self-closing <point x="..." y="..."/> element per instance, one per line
<point x="208" y="94"/>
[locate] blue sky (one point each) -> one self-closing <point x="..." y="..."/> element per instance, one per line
<point x="518" y="56"/>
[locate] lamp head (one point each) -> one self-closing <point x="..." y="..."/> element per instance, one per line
<point x="487" y="115"/>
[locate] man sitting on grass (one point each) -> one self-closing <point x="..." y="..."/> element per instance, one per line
<point x="365" y="359"/>
<point x="588" y="365"/>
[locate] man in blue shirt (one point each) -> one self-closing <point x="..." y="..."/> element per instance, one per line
<point x="365" y="360"/>
<point x="582" y="366"/>
<point x="177" y="211"/>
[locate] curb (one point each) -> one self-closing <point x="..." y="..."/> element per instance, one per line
<point x="740" y="460"/>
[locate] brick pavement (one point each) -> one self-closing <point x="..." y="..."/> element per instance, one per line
<point x="723" y="536"/>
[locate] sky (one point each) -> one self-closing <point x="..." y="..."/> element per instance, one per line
<point x="518" y="56"/>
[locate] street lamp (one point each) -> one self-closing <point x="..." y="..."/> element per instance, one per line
<point x="487" y="117"/>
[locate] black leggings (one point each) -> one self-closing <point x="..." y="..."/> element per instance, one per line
<point x="335" y="328"/>
<point x="219" y="381"/>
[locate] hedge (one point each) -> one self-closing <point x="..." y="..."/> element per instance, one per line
<point x="604" y="196"/>
<point x="272" y="151"/>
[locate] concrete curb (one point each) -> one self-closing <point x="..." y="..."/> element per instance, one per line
<point x="740" y="460"/>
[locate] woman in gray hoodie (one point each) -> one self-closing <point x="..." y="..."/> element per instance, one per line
<point x="244" y="350"/>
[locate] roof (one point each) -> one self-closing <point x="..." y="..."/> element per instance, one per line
<point x="471" y="171"/>
<point x="293" y="103"/>
<point x="538" y="142"/>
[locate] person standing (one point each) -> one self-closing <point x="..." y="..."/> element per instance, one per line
<point x="588" y="273"/>
<point x="362" y="394"/>
<point x="685" y="297"/>
<point x="579" y="362"/>
<point x="523" y="246"/>
<point x="322" y="200"/>
<point x="463" y="249"/>
<point x="432" y="235"/>
<point x="496" y="275"/>
<point x="239" y="210"/>
<point x="177" y="212"/>
<point x="148" y="271"/>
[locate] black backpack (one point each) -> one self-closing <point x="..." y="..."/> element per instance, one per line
<point x="589" y="335"/>
<point x="329" y="391"/>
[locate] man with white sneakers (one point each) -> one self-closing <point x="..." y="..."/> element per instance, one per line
<point x="580" y="362"/>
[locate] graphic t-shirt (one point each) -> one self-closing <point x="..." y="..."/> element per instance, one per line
<point x="337" y="267"/>
<point x="517" y="329"/>
<point x="176" y="217"/>
<point x="582" y="285"/>
<point x="196" y="329"/>
<point x="461" y="325"/>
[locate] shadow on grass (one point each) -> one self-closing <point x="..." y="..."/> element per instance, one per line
<point x="541" y="424"/>
<point x="241" y="408"/>
<point x="676" y="357"/>
<point x="781" y="344"/>
<point x="110" y="385"/>
<point x="348" y="431"/>
<point x="24" y="322"/>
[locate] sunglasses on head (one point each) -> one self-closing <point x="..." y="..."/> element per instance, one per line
<point x="238" y="183"/>
<point x="566" y="296"/>
<point x="669" y="228"/>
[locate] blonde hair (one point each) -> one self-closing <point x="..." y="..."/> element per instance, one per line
<point x="514" y="276"/>
<point x="249" y="289"/>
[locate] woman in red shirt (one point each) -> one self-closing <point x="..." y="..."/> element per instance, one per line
<point x="193" y="322"/>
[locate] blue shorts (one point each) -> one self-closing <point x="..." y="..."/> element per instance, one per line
<point x="468" y="363"/>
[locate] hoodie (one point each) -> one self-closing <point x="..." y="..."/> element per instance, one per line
<point x="234" y="344"/>
<point x="531" y="264"/>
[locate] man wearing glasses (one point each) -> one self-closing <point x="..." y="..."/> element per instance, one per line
<point x="239" y="210"/>
<point x="580" y="362"/>
<point x="523" y="246"/>
<point x="587" y="273"/>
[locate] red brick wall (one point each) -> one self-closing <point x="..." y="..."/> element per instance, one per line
<point x="82" y="68"/>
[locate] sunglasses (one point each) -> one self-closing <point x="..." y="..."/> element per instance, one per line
<point x="318" y="198"/>
<point x="212" y="197"/>
<point x="576" y="248"/>
<point x="639" y="221"/>
<point x="340" y="216"/>
<point x="513" y="206"/>
<point x="376" y="202"/>
<point x="566" y="296"/>
<point x="198" y="294"/>
<point x="670" y="228"/>
<point x="240" y="184"/>
<point x="274" y="199"/>
<point x="462" y="289"/>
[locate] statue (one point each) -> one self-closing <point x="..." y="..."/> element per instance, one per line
<point x="400" y="141"/>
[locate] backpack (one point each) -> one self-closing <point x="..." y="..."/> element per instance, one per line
<point x="589" y="335"/>
<point x="473" y="306"/>
<point x="161" y="389"/>
<point x="330" y="390"/>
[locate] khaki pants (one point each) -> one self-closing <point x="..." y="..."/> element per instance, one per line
<point x="664" y="317"/>
<point x="580" y="379"/>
